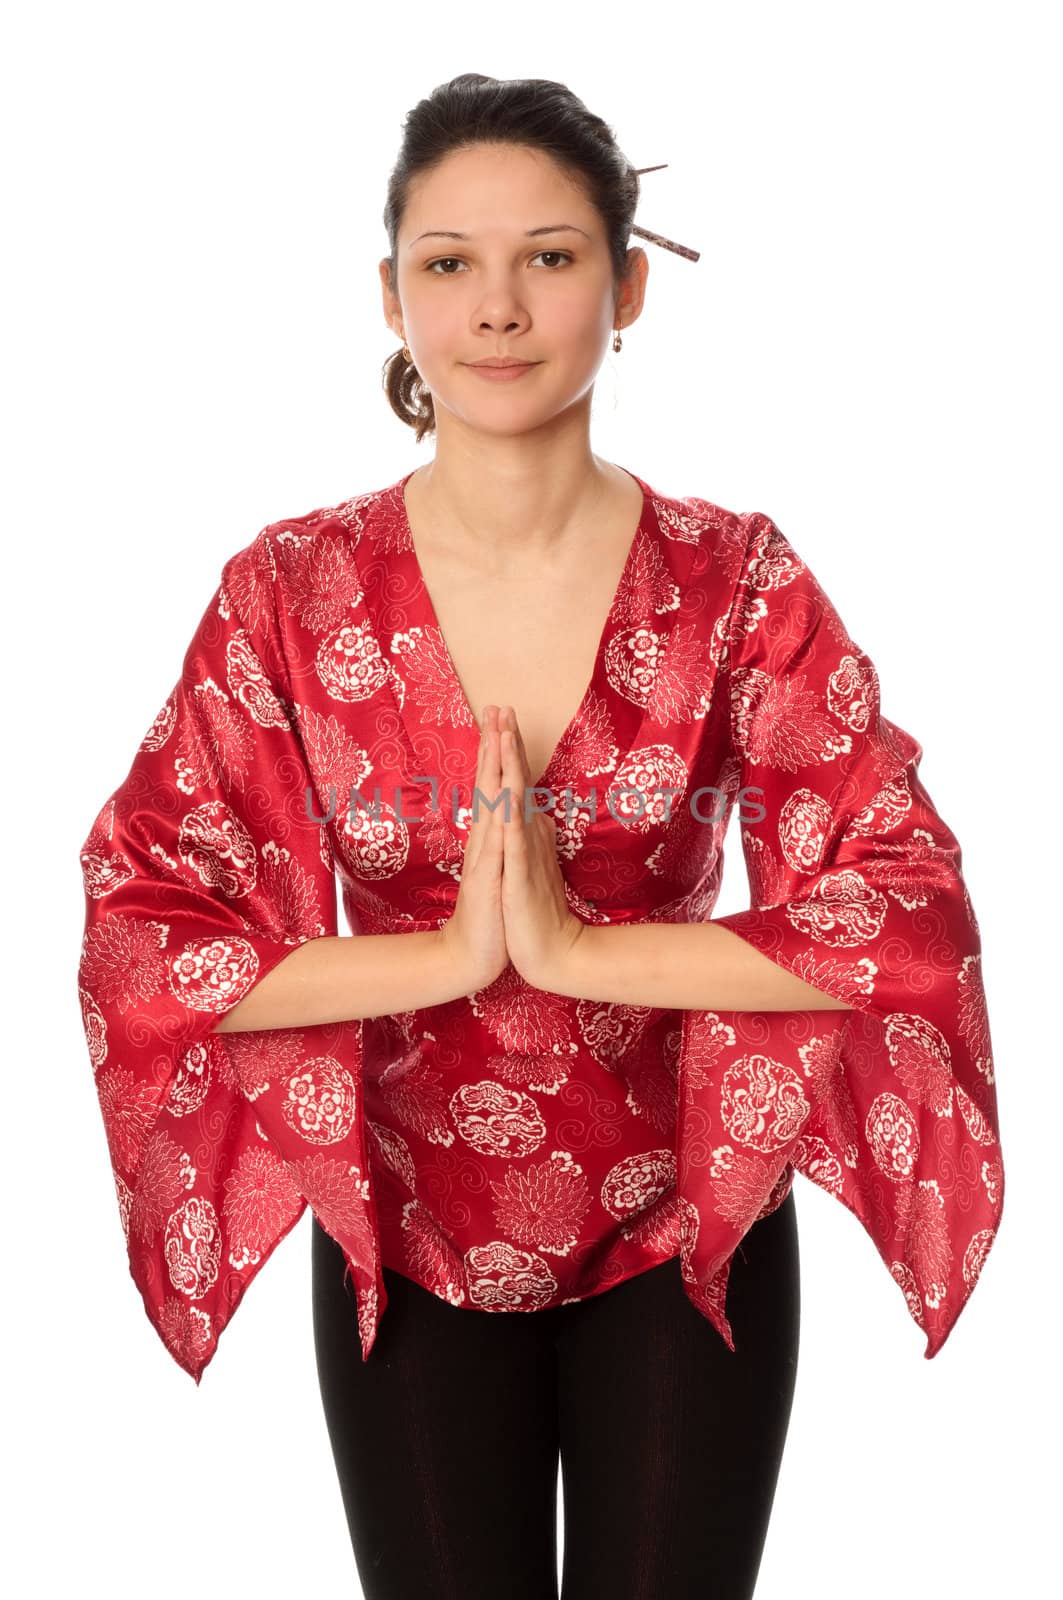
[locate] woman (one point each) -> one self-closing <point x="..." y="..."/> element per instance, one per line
<point x="568" y="1094"/>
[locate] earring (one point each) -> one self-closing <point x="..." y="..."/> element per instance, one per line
<point x="616" y="338"/>
<point x="406" y="356"/>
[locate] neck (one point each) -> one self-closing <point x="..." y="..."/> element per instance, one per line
<point x="513" y="507"/>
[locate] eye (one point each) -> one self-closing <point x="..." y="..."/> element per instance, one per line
<point x="439" y="261"/>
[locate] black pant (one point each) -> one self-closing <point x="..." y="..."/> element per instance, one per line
<point x="447" y="1440"/>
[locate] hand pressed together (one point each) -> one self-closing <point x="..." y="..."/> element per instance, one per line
<point x="541" y="929"/>
<point x="511" y="903"/>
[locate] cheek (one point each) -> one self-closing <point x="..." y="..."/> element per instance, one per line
<point x="579" y="322"/>
<point x="441" y="332"/>
<point x="435" y="320"/>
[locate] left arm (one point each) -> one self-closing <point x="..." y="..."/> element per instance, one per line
<point x="700" y="966"/>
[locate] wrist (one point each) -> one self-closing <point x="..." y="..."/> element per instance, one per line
<point x="570" y="969"/>
<point x="457" y="974"/>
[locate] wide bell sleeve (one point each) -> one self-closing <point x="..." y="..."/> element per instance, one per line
<point x="856" y="888"/>
<point x="204" y="870"/>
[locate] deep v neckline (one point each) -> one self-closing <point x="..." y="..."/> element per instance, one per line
<point x="470" y="726"/>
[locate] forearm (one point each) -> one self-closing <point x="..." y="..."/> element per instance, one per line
<point x="340" y="978"/>
<point x="689" y="966"/>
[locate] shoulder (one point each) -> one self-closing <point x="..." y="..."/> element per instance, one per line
<point x="740" y="560"/>
<point x="319" y="526"/>
<point x="277" y="546"/>
<point x="724" y="537"/>
<point x="329" y="534"/>
<point x="770" y="560"/>
<point x="305" y="566"/>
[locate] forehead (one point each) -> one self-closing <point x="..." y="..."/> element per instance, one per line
<point x="487" y="191"/>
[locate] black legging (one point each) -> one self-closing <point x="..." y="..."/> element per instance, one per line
<point x="447" y="1440"/>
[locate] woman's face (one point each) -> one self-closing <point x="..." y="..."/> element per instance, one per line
<point x="548" y="299"/>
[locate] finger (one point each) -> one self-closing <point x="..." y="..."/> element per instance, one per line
<point x="510" y="721"/>
<point x="507" y="758"/>
<point x="491" y="830"/>
<point x="488" y="776"/>
<point x="481" y="780"/>
<point x="522" y="753"/>
<point x="513" y="778"/>
<point x="494" y="754"/>
<point x="491" y="713"/>
<point x="516" y="839"/>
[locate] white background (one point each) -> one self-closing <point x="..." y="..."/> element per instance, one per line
<point x="868" y="351"/>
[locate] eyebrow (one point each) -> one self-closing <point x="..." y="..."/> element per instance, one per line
<point x="532" y="233"/>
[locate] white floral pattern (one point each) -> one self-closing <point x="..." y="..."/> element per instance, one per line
<point x="516" y="1149"/>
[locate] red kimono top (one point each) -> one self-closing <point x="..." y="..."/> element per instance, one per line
<point x="515" y="1149"/>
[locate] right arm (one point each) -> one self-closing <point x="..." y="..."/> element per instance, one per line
<point x="340" y="978"/>
<point x="204" y="874"/>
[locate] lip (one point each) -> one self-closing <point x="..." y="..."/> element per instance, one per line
<point x="506" y="374"/>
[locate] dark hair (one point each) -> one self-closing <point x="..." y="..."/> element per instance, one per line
<point x="474" y="109"/>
